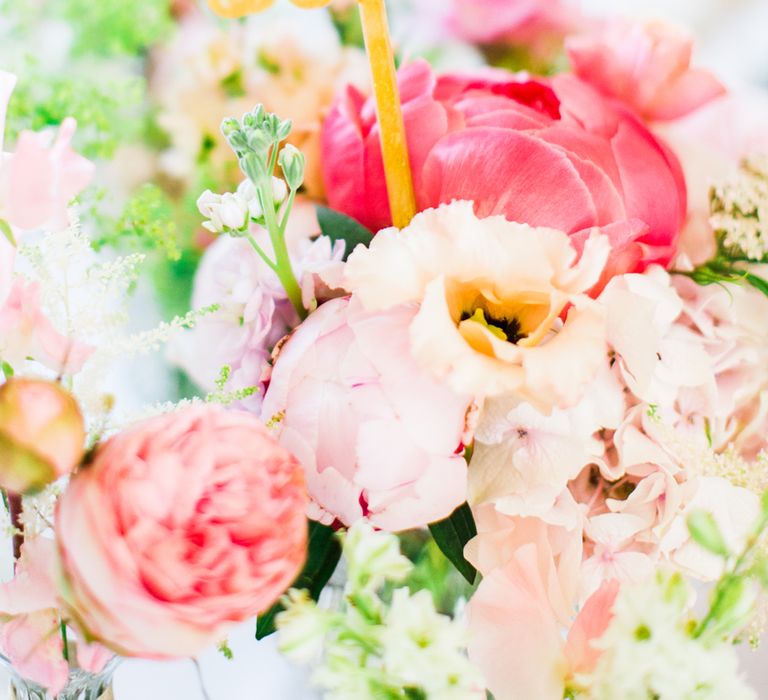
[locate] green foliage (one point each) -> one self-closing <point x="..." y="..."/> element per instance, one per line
<point x="452" y="534"/>
<point x="433" y="572"/>
<point x="323" y="554"/>
<point x="106" y="112"/>
<point x="147" y="223"/>
<point x="115" y="27"/>
<point x="340" y="227"/>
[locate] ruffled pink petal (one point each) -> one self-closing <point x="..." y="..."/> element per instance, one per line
<point x="590" y="624"/>
<point x="540" y="186"/>
<point x="695" y="88"/>
<point x="43" y="180"/>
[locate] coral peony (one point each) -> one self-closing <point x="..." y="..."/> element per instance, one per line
<point x="491" y="296"/>
<point x="647" y="66"/>
<point x="181" y="527"/>
<point x="377" y="435"/>
<point x="549" y="153"/>
<point x="42" y="434"/>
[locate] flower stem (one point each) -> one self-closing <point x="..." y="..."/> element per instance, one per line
<point x="282" y="263"/>
<point x="394" y="147"/>
<point x="15" y="508"/>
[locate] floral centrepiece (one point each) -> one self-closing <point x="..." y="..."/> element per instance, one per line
<point x="464" y="383"/>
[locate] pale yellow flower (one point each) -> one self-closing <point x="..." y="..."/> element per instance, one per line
<point x="492" y="295"/>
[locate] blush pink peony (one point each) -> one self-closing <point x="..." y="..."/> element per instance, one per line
<point x="647" y="66"/>
<point x="180" y="528"/>
<point x="546" y="152"/>
<point x="378" y="436"/>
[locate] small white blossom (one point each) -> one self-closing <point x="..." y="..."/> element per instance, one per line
<point x="373" y="557"/>
<point x="303" y="626"/>
<point x="649" y="652"/>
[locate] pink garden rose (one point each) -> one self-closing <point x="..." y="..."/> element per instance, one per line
<point x="180" y="528"/>
<point x="378" y="436"/>
<point x="645" y="66"/>
<point x="546" y="152"/>
<point x="42" y="434"/>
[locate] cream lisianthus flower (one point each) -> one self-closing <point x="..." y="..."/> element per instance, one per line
<point x="492" y="297"/>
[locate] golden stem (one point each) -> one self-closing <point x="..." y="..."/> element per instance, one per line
<point x="394" y="148"/>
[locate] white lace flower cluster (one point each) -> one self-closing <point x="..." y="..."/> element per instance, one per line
<point x="371" y="648"/>
<point x="740" y="209"/>
<point x="649" y="651"/>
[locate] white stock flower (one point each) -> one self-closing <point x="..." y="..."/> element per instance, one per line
<point x="648" y="653"/>
<point x="302" y="627"/>
<point x="373" y="557"/>
<point x="228" y="211"/>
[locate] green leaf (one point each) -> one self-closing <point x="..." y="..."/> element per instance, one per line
<point x="452" y="534"/>
<point x="340" y="227"/>
<point x="757" y="282"/>
<point x="323" y="554"/>
<point x="5" y="229"/>
<point x="706" y="532"/>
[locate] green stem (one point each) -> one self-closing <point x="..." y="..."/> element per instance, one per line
<point x="65" y="643"/>
<point x="283" y="268"/>
<point x="261" y="253"/>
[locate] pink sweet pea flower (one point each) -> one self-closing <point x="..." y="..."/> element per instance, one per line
<point x="378" y="436"/>
<point x="26" y="332"/>
<point x="517" y="639"/>
<point x="545" y="152"/>
<point x="29" y="637"/>
<point x="40" y="179"/>
<point x="647" y="66"/>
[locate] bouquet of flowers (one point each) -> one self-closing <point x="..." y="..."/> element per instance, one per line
<point x="480" y="354"/>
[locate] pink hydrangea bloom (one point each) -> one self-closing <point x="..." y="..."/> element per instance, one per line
<point x="647" y="66"/>
<point x="180" y="528"/>
<point x="546" y="152"/>
<point x="377" y="435"/>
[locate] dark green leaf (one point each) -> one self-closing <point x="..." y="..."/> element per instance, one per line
<point x="323" y="554"/>
<point x="452" y="534"/>
<point x="340" y="227"/>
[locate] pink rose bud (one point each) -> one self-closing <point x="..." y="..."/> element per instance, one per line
<point x="42" y="434"/>
<point x="180" y="528"/>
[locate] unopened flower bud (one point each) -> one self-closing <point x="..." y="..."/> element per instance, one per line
<point x="42" y="434"/>
<point x="292" y="163"/>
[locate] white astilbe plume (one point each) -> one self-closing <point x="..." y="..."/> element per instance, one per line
<point x="84" y="296"/>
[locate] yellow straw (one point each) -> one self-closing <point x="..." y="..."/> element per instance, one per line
<point x="394" y="148"/>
